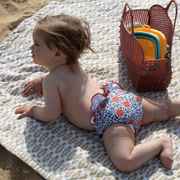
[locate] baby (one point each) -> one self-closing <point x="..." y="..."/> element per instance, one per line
<point x="116" y="114"/>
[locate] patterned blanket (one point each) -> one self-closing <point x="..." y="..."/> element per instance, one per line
<point x="58" y="149"/>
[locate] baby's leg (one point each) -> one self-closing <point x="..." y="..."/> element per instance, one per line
<point x="119" y="142"/>
<point x="159" y="109"/>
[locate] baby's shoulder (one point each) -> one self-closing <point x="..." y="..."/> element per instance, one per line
<point x="49" y="80"/>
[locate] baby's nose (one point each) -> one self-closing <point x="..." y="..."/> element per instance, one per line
<point x="31" y="47"/>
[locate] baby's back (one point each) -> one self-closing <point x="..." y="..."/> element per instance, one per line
<point x="76" y="90"/>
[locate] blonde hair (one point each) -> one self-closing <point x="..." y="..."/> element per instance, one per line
<point x="69" y="34"/>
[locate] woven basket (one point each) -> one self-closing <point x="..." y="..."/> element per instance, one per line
<point x="151" y="75"/>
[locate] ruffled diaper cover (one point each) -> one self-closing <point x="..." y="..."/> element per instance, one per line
<point x="115" y="106"/>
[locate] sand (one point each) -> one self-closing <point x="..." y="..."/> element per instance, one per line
<point x="12" y="12"/>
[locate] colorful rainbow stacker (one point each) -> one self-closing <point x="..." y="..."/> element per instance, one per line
<point x="153" y="43"/>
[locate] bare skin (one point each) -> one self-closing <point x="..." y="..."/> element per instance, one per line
<point x="64" y="91"/>
<point x="128" y="157"/>
<point x="70" y="93"/>
<point x="35" y="85"/>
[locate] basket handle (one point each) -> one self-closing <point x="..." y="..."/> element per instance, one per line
<point x="167" y="8"/>
<point x="124" y="14"/>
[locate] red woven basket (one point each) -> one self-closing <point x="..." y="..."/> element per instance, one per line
<point x="151" y="75"/>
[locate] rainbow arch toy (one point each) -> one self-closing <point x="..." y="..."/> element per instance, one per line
<point x="153" y="42"/>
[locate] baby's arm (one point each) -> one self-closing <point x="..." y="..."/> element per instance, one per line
<point x="34" y="85"/>
<point x="52" y="108"/>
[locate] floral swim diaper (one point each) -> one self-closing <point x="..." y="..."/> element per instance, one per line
<point x="115" y="106"/>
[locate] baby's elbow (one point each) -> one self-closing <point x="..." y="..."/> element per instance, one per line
<point x="53" y="115"/>
<point x="56" y="116"/>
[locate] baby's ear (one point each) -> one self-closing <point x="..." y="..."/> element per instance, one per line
<point x="58" y="55"/>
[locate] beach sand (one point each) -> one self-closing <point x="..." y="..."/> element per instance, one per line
<point x="13" y="12"/>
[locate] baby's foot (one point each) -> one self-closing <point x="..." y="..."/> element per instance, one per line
<point x="166" y="152"/>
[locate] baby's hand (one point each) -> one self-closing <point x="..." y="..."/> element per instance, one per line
<point x="33" y="86"/>
<point x="25" y="111"/>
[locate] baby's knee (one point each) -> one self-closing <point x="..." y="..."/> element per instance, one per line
<point x="173" y="107"/>
<point x="155" y="110"/>
<point x="125" y="165"/>
<point x="168" y="105"/>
